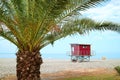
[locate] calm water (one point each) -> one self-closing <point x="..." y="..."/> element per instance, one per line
<point x="65" y="56"/>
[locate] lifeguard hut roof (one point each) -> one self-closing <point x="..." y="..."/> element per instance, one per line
<point x="79" y="44"/>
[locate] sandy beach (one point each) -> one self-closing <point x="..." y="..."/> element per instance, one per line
<point x="8" y="66"/>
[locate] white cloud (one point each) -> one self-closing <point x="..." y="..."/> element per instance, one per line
<point x="109" y="12"/>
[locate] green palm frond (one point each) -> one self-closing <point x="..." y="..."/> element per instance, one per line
<point x="7" y="34"/>
<point x="76" y="6"/>
<point x="81" y="26"/>
<point x="31" y="23"/>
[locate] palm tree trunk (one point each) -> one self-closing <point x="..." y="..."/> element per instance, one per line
<point x="28" y="65"/>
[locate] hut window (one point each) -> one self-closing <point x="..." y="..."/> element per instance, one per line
<point x="84" y="46"/>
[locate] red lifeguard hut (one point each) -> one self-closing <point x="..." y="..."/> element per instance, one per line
<point x="80" y="52"/>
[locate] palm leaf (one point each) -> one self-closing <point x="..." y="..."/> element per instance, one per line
<point x="81" y="26"/>
<point x="31" y="23"/>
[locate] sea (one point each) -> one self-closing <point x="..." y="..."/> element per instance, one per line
<point x="65" y="56"/>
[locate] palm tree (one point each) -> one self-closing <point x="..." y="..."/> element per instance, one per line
<point x="33" y="24"/>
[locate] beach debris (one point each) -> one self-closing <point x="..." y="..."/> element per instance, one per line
<point x="103" y="58"/>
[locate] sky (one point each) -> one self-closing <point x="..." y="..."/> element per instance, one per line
<point x="102" y="42"/>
